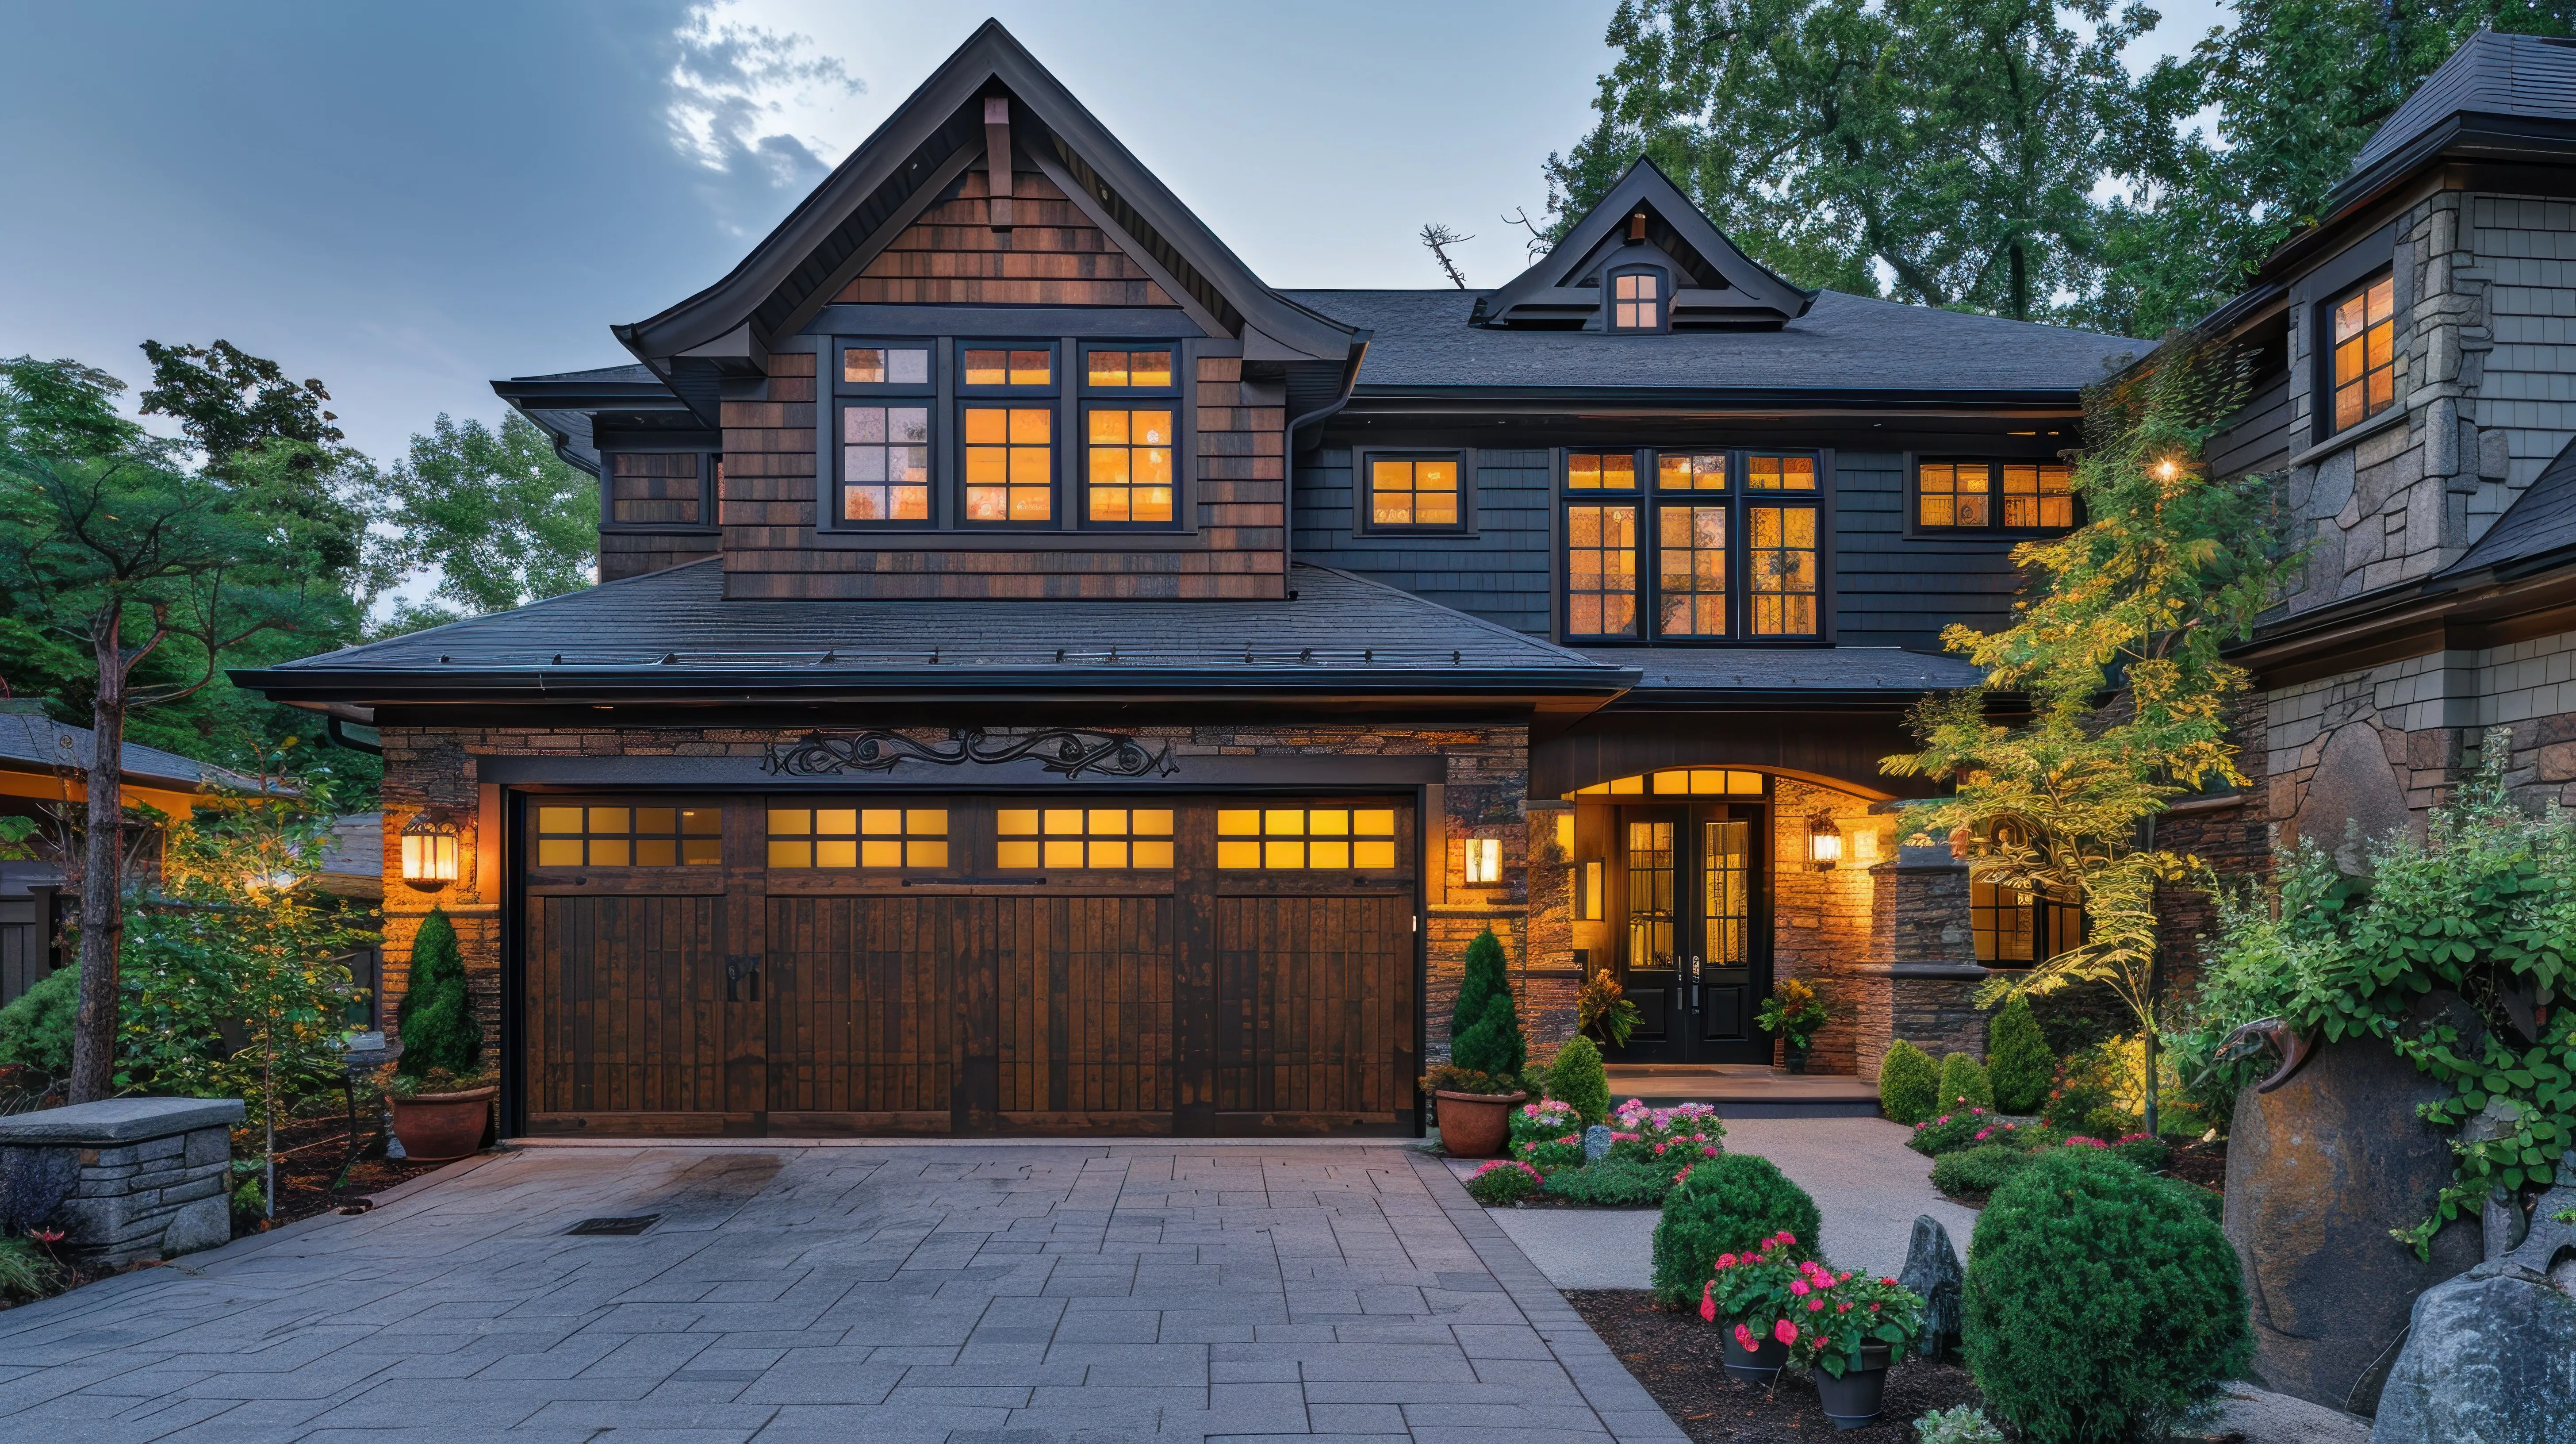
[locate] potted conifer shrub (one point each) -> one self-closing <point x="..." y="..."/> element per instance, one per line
<point x="440" y="1092"/>
<point x="1479" y="1084"/>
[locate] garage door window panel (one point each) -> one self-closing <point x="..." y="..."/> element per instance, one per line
<point x="1082" y="838"/>
<point x="1300" y="839"/>
<point x="625" y="836"/>
<point x="858" y="837"/>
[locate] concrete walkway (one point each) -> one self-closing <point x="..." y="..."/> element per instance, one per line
<point x="892" y="1293"/>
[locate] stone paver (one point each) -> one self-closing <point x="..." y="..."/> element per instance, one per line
<point x="892" y="1293"/>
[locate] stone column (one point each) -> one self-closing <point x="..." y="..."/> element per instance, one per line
<point x="126" y="1180"/>
<point x="1922" y="980"/>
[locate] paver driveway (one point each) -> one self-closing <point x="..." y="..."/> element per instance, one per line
<point x="1020" y="1292"/>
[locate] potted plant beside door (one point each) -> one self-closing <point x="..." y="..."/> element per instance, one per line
<point x="1479" y="1084"/>
<point x="1796" y="1014"/>
<point x="440" y="1093"/>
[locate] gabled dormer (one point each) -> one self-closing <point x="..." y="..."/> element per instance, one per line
<point x="1644" y="262"/>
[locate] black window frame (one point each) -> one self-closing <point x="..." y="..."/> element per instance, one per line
<point x="2043" y="914"/>
<point x="1918" y="529"/>
<point x="843" y="393"/>
<point x="1054" y="387"/>
<point x="2322" y="408"/>
<point x="1017" y="398"/>
<point x="1610" y="299"/>
<point x="1088" y="392"/>
<point x="1118" y="399"/>
<point x="1364" y="490"/>
<point x="1736" y="498"/>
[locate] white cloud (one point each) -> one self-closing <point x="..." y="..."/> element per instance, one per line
<point x="752" y="102"/>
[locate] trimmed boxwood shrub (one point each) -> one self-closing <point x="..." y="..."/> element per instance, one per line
<point x="2102" y="1305"/>
<point x="1502" y="1182"/>
<point x="1485" y="1027"/>
<point x="1909" y="1085"/>
<point x="2018" y="1062"/>
<point x="1578" y="1080"/>
<point x="1728" y="1204"/>
<point x="436" y="1019"/>
<point x="1964" y="1085"/>
<point x="1612" y="1183"/>
<point x="1978" y="1171"/>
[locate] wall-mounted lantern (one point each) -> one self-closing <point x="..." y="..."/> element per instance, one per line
<point x="1824" y="842"/>
<point x="1484" y="860"/>
<point x="431" y="845"/>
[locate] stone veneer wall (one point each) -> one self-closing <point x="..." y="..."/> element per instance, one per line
<point x="1822" y="920"/>
<point x="1487" y="778"/>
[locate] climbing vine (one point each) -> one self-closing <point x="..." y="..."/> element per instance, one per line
<point x="2484" y="907"/>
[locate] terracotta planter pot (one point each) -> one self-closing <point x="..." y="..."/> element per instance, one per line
<point x="435" y="1127"/>
<point x="1854" y="1399"/>
<point x="1472" y="1125"/>
<point x="1755" y="1366"/>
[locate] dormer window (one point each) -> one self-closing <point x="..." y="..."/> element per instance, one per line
<point x="1637" y="300"/>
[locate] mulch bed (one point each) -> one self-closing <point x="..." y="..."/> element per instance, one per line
<point x="1681" y="1362"/>
<point x="311" y="1152"/>
<point x="2201" y="1163"/>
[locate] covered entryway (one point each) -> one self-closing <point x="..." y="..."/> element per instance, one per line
<point x="817" y="964"/>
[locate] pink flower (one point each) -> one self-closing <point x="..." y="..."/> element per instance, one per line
<point x="1798" y="1286"/>
<point x="1726" y="1260"/>
<point x="1785" y="1331"/>
<point x="1707" y="1306"/>
<point x="1744" y="1339"/>
<point x="1787" y="1237"/>
<point x="1873" y="1308"/>
<point x="1844" y="1277"/>
<point x="1891" y="1283"/>
<point x="1846" y="1308"/>
<point x="1814" y="1304"/>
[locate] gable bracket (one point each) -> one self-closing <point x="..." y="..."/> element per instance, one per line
<point x="997" y="156"/>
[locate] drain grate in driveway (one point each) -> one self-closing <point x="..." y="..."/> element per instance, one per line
<point x="636" y="1224"/>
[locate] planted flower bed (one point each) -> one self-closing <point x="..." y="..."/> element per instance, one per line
<point x="1650" y="1149"/>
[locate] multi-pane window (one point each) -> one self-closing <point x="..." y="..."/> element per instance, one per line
<point x="1780" y="473"/>
<point x="1413" y="491"/>
<point x="1691" y="471"/>
<point x="2365" y="353"/>
<point x="2017" y="927"/>
<point x="1113" y="370"/>
<point x="1601" y="471"/>
<point x="1129" y="458"/>
<point x="2014" y="495"/>
<point x="1601" y="571"/>
<point x="1636" y="301"/>
<point x="1782" y="543"/>
<point x="997" y="367"/>
<point x="1679" y="782"/>
<point x="1690" y="571"/>
<point x="885" y="463"/>
<point x="1010" y="463"/>
<point x="1082" y="837"/>
<point x="885" y="365"/>
<point x="802" y="837"/>
<point x="629" y="837"/>
<point x="1284" y="838"/>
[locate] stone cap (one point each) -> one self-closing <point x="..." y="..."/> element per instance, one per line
<point x="119" y="1120"/>
<point x="1922" y="970"/>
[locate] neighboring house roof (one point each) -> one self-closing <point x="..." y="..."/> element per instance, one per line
<point x="2540" y="523"/>
<point x="31" y="741"/>
<point x="673" y="631"/>
<point x="2530" y="77"/>
<point x="1801" y="670"/>
<point x="1843" y="343"/>
<point x="354" y="865"/>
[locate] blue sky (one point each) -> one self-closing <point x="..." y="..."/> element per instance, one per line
<point x="408" y="200"/>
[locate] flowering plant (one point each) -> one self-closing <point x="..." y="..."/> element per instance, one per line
<point x="1950" y="1132"/>
<point x="1503" y="1181"/>
<point x="1680" y="1133"/>
<point x="1545" y="1118"/>
<point x="1547" y="1155"/>
<point x="1753" y="1291"/>
<point x="1837" y="1314"/>
<point x="1793" y="1011"/>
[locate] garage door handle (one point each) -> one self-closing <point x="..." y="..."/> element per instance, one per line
<point x="739" y="970"/>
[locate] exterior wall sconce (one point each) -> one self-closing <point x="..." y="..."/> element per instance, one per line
<point x="431" y="845"/>
<point x="1824" y="842"/>
<point x="1484" y="860"/>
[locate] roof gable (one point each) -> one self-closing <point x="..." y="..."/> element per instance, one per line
<point x="1717" y="284"/>
<point x="917" y="156"/>
<point x="2531" y="77"/>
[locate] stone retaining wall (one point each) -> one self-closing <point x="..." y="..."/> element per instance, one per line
<point x="127" y="1180"/>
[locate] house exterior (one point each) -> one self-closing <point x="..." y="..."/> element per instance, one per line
<point x="1045" y="678"/>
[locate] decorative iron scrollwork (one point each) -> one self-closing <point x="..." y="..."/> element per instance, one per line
<point x="1065" y="750"/>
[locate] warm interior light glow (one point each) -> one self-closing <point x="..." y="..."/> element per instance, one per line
<point x="429" y="851"/>
<point x="1484" y="860"/>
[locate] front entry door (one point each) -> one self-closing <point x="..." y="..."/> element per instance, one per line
<point x="1696" y="957"/>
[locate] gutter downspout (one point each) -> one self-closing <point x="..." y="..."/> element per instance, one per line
<point x="1288" y="454"/>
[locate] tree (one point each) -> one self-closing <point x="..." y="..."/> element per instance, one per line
<point x="2117" y="651"/>
<point x="1485" y="1026"/>
<point x="436" y="1020"/>
<point x="228" y="401"/>
<point x="126" y="555"/>
<point x="500" y="518"/>
<point x="1954" y="143"/>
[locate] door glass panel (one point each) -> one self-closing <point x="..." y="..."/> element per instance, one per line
<point x="1727" y="896"/>
<point x="1650" y="895"/>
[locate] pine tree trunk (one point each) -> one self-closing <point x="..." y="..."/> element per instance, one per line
<point x="102" y="901"/>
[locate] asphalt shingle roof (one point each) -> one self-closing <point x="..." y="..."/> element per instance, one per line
<point x="2541" y="520"/>
<point x="43" y="742"/>
<point x="2527" y="76"/>
<point x="1844" y="342"/>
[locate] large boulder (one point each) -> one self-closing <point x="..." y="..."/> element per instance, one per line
<point x="2318" y="1172"/>
<point x="2491" y="1360"/>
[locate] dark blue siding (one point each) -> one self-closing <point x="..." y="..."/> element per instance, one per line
<point x="1500" y="572"/>
<point x="1894" y="591"/>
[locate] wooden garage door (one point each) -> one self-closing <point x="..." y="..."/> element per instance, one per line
<point x="914" y="964"/>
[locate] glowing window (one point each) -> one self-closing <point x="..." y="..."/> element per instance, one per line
<point x="885" y="463"/>
<point x="2023" y="495"/>
<point x="1783" y="571"/>
<point x="1636" y="302"/>
<point x="1418" y="492"/>
<point x="1285" y="838"/>
<point x="2016" y="927"/>
<point x="629" y="837"/>
<point x="1082" y="837"/>
<point x="1601" y="571"/>
<point x="1679" y="781"/>
<point x="1601" y="471"/>
<point x="885" y="365"/>
<point x="1780" y="473"/>
<point x="2038" y="496"/>
<point x="1130" y="459"/>
<point x="1692" y="471"/>
<point x="1690" y="571"/>
<point x="1129" y="368"/>
<point x="1951" y="493"/>
<point x="2365" y="353"/>
<point x="1010" y="463"/>
<point x="1009" y="368"/>
<point x="858" y="837"/>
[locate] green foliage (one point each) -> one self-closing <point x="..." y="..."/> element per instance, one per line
<point x="1601" y="1007"/>
<point x="61" y="408"/>
<point x="2102" y="1305"/>
<point x="1612" y="1183"/>
<point x="2151" y="1154"/>
<point x="1728" y="1204"/>
<point x="1964" y="1085"/>
<point x="1793" y="1011"/>
<point x="1577" y="1078"/>
<point x="2018" y="1063"/>
<point x="1957" y="146"/>
<point x="26" y="1270"/>
<point x="1951" y="1132"/>
<point x="436" y="1019"/>
<point x="1909" y="1084"/>
<point x="2485" y="907"/>
<point x="1858" y="1311"/>
<point x="36" y="1029"/>
<point x="1503" y="1182"/>
<point x="1975" y="1172"/>
<point x="1485" y="1028"/>
<point x="2169" y="565"/>
<point x="1959" y="1424"/>
<point x="229" y="401"/>
<point x="500" y="518"/>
